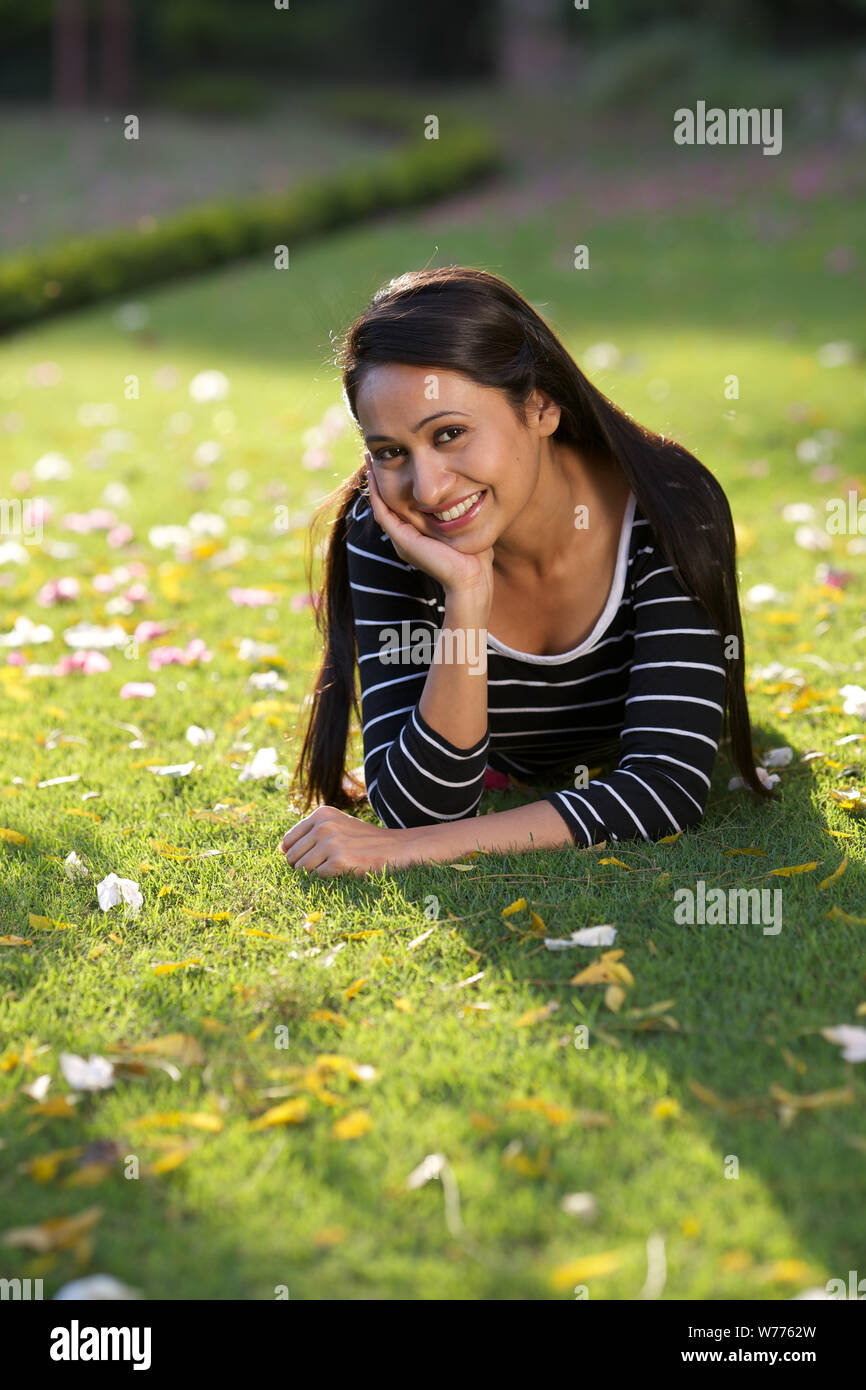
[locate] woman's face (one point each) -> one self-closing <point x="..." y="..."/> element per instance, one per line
<point x="449" y="456"/>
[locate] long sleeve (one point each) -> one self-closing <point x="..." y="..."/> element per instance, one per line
<point x="414" y="776"/>
<point x="673" y="719"/>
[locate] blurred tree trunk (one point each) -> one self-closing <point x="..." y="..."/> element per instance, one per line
<point x="115" y="51"/>
<point x="70" y="53"/>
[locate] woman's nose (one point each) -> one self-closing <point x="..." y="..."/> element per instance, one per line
<point x="431" y="481"/>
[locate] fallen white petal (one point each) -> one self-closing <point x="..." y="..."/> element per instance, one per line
<point x="855" y="700"/>
<point x="198" y="736"/>
<point x="113" y="890"/>
<point x="96" y="1288"/>
<point x="429" y="1167"/>
<point x="581" y="1204"/>
<point x="330" y="956"/>
<point x="778" y="757"/>
<point x="38" y="1089"/>
<point x="586" y="936"/>
<point x="75" y="867"/>
<point x="263" y="765"/>
<point x="96" y="1074"/>
<point x="852" y="1039"/>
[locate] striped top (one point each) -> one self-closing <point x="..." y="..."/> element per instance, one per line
<point x="644" y="692"/>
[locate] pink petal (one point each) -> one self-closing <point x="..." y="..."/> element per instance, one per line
<point x="137" y="690"/>
<point x="119" y="535"/>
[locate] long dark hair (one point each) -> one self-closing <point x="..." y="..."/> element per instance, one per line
<point x="468" y="321"/>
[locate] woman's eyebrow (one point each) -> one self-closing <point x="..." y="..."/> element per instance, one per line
<point x="369" y="438"/>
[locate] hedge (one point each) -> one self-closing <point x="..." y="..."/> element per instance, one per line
<point x="77" y="272"/>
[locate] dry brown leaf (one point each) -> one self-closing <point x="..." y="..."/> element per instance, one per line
<point x="817" y="1100"/>
<point x="60" y="1233"/>
<point x="179" y="1047"/>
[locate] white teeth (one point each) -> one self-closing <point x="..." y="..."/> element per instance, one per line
<point x="461" y="507"/>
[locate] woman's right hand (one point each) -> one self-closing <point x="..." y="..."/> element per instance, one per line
<point x="461" y="576"/>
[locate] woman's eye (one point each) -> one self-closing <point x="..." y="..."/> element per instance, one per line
<point x="393" y="451"/>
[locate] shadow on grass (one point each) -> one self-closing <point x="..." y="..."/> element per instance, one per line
<point x="746" y="1062"/>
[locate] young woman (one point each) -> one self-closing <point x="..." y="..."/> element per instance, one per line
<point x="528" y="583"/>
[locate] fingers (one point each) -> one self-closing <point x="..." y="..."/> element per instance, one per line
<point x="314" y="857"/>
<point x="308" y="823"/>
<point x="373" y="486"/>
<point x="292" y="836"/>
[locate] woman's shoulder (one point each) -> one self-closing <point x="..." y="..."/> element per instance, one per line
<point x="642" y="537"/>
<point x="363" y="531"/>
<point x="364" y="535"/>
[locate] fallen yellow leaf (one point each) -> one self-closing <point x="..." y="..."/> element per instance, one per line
<point x="58" y="1108"/>
<point x="837" y="873"/>
<point x="171" y="1119"/>
<point x="167" y="967"/>
<point x="586" y="1267"/>
<point x="536" y="1015"/>
<point x="44" y="1167"/>
<point x="167" y="1162"/>
<point x="353" y="1125"/>
<point x="13" y="837"/>
<point x="328" y="1016"/>
<point x="88" y="1175"/>
<point x="667" y="1108"/>
<point x="60" y="1233"/>
<point x="614" y="997"/>
<point x="556" y="1114"/>
<point x="290" y="1112"/>
<point x="794" y="869"/>
<point x="181" y="1047"/>
<point x="817" y="1100"/>
<point x="846" y="917"/>
<point x="517" y="906"/>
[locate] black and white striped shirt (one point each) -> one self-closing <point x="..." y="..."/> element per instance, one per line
<point x="643" y="692"/>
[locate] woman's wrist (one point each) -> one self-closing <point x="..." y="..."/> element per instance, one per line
<point x="467" y="607"/>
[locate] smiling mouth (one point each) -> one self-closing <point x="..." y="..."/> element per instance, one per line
<point x="459" y="508"/>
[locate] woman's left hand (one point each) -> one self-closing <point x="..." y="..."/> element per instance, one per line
<point x="329" y="842"/>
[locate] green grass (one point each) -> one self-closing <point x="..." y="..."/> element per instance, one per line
<point x="178" y="160"/>
<point x="689" y="298"/>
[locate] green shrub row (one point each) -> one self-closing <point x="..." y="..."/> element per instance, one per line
<point x="79" y="272"/>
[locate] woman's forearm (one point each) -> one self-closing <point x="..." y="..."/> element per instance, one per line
<point x="454" y="698"/>
<point x="536" y="826"/>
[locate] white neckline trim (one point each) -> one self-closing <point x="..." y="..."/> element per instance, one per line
<point x="614" y="599"/>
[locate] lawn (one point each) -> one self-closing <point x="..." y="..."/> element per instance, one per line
<point x="403" y="1014"/>
<point x="176" y="161"/>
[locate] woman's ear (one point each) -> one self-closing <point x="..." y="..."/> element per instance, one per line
<point x="542" y="412"/>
